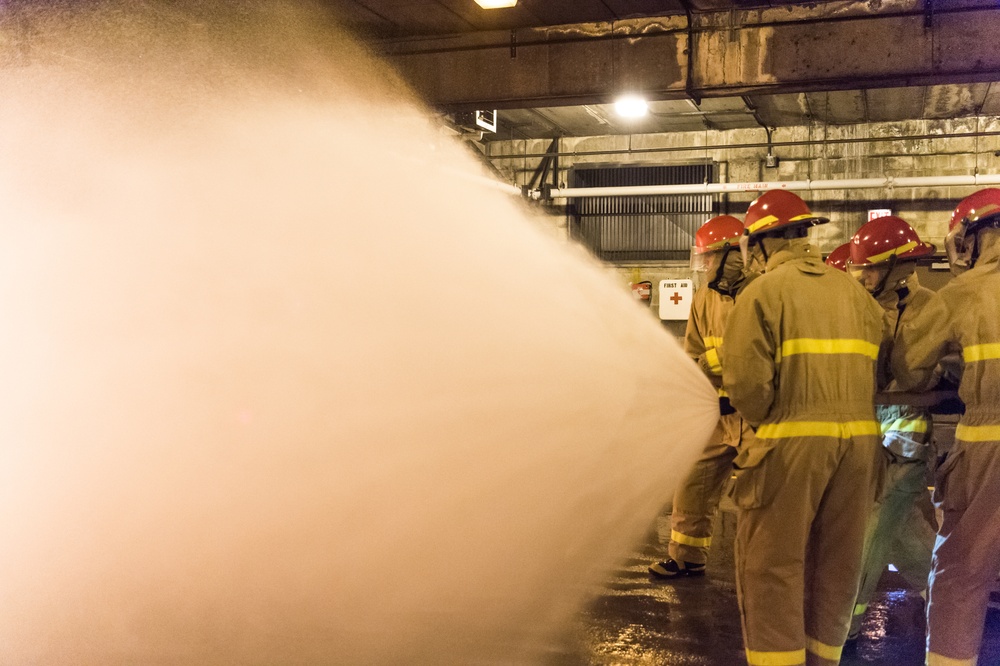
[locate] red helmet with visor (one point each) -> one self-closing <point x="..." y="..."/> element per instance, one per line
<point x="717" y="233"/>
<point x="975" y="212"/>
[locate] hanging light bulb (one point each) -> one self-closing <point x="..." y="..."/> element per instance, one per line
<point x="495" y="4"/>
<point x="631" y="106"/>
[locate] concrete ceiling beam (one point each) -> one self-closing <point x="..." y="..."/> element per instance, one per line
<point x="838" y="46"/>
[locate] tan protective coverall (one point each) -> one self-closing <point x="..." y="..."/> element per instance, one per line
<point x="697" y="498"/>
<point x="901" y="526"/>
<point x="967" y="487"/>
<point x="801" y="349"/>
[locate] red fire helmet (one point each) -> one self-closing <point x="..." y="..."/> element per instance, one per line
<point x="717" y="233"/>
<point x="776" y="209"/>
<point x="885" y="237"/>
<point x="838" y="258"/>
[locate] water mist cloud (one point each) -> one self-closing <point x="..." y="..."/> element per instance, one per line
<point x="278" y="387"/>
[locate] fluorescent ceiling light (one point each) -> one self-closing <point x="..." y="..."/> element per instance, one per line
<point x="631" y="106"/>
<point x="495" y="4"/>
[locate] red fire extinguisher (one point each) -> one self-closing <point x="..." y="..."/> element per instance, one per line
<point x="642" y="291"/>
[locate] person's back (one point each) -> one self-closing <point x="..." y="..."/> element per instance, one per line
<point x="973" y="301"/>
<point x="825" y="327"/>
<point x="800" y="354"/>
<point x="967" y="484"/>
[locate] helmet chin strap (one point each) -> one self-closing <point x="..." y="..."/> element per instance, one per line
<point x="976" y="247"/>
<point x="763" y="249"/>
<point x="880" y="287"/>
<point x="726" y="289"/>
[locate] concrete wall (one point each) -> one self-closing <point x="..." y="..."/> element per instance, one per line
<point x="913" y="148"/>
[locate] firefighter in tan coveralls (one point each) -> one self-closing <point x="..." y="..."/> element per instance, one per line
<point x="883" y="255"/>
<point x="801" y="348"/>
<point x="716" y="254"/>
<point x="967" y="487"/>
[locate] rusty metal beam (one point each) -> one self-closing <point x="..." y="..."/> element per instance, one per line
<point x="836" y="46"/>
<point x="578" y="64"/>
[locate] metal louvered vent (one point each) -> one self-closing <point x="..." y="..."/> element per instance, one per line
<point x="640" y="228"/>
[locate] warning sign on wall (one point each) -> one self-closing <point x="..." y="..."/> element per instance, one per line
<point x="675" y="299"/>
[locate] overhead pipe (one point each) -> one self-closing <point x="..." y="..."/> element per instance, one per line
<point x="886" y="182"/>
<point x="746" y="146"/>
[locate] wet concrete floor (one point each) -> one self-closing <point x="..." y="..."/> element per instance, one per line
<point x="634" y="620"/>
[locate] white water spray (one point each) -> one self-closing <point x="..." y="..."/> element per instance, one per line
<point x="277" y="387"/>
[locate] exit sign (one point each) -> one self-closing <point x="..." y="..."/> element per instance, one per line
<point x="876" y="213"/>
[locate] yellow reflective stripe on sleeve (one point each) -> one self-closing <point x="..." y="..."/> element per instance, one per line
<point x="967" y="433"/>
<point x="905" y="425"/>
<point x="934" y="659"/>
<point x="712" y="341"/>
<point x="876" y="258"/>
<point x="841" y="430"/>
<point x="829" y="346"/>
<point x="694" y="542"/>
<point x="712" y="358"/>
<point x="859" y="609"/>
<point x="762" y="222"/>
<point x="722" y="393"/>
<point x="790" y="658"/>
<point x="981" y="352"/>
<point x="824" y="651"/>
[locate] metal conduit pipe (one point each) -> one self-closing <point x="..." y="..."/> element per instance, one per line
<point x="744" y="146"/>
<point x="886" y="182"/>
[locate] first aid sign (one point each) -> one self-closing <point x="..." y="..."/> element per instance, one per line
<point x="675" y="299"/>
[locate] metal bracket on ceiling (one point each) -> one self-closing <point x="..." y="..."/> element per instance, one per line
<point x="689" y="78"/>
<point x="756" y="116"/>
<point x="549" y="164"/>
<point x="513" y="44"/>
<point x="928" y="14"/>
<point x="770" y="161"/>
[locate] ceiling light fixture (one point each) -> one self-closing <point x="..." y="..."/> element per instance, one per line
<point x="496" y="4"/>
<point x="631" y="106"/>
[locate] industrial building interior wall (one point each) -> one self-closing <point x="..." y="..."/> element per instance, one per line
<point x="947" y="147"/>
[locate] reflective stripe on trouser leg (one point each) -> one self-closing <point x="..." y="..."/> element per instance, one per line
<point x="940" y="660"/>
<point x="818" y="652"/>
<point x="787" y="658"/>
<point x="697" y="498"/>
<point x="828" y="483"/>
<point x="967" y="553"/>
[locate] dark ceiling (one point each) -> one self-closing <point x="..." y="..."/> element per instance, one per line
<point x="461" y="26"/>
<point x="392" y="19"/>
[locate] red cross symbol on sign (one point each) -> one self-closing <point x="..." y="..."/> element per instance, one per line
<point x="676" y="298"/>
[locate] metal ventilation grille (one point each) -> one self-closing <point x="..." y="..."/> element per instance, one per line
<point x="640" y="228"/>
